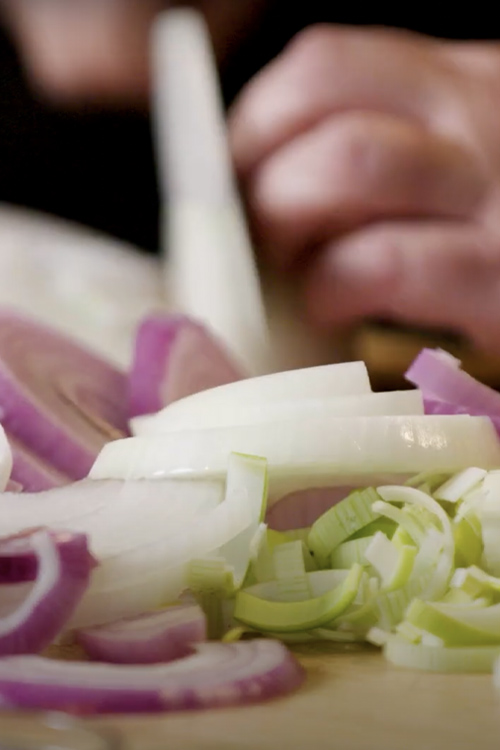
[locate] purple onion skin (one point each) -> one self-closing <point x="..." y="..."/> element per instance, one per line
<point x="162" y="695"/>
<point x="434" y="406"/>
<point x="86" y="405"/>
<point x="160" y="644"/>
<point x="156" y="364"/>
<point x="50" y="612"/>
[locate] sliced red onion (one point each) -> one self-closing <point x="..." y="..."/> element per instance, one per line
<point x="220" y="674"/>
<point x="63" y="566"/>
<point x="13" y="486"/>
<point x="32" y="473"/>
<point x="157" y="637"/>
<point x="59" y="400"/>
<point x="175" y="357"/>
<point x="439" y="377"/>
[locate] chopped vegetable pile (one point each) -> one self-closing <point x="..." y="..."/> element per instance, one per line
<point x="241" y="516"/>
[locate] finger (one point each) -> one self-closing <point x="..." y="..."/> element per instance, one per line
<point x="354" y="168"/>
<point x="444" y="274"/>
<point x="331" y="69"/>
<point x="85" y="50"/>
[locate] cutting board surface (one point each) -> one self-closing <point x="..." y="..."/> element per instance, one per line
<point x="353" y="700"/>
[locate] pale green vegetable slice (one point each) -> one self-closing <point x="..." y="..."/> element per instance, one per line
<point x="350" y="552"/>
<point x="430" y="479"/>
<point x="413" y="526"/>
<point x="456" y="624"/>
<point x="468" y="537"/>
<point x="291" y="578"/>
<point x="409" y="632"/>
<point x="394" y="565"/>
<point x="210" y="580"/>
<point x="340" y="522"/>
<point x="476" y="583"/>
<point x="478" y="659"/>
<point x="320" y="582"/>
<point x="444" y="568"/>
<point x="292" y="616"/>
<point x="459" y="485"/>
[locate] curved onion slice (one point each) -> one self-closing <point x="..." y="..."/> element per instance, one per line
<point x="150" y="639"/>
<point x="439" y="377"/>
<point x="13" y="486"/>
<point x="311" y="452"/>
<point x="220" y="674"/>
<point x="243" y="413"/>
<point x="31" y="472"/>
<point x="5" y="460"/>
<point x="115" y="515"/>
<point x="63" y="572"/>
<point x="175" y="357"/>
<point x="328" y="381"/>
<point x="61" y="401"/>
<point x="432" y="406"/>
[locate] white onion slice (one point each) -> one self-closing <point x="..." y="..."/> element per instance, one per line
<point x="311" y="452"/>
<point x="327" y="381"/>
<point x="249" y="413"/>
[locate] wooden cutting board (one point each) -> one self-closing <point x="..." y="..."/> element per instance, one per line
<point x="353" y="700"/>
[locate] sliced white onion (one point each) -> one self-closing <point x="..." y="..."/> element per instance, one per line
<point x="249" y="413"/>
<point x="313" y="452"/>
<point x="327" y="381"/>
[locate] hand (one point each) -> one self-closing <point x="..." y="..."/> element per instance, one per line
<point x="78" y="51"/>
<point x="371" y="164"/>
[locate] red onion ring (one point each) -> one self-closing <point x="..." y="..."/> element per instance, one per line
<point x="62" y="402"/>
<point x="439" y="377"/>
<point x="32" y="473"/>
<point x="63" y="566"/>
<point x="175" y="357"/>
<point x="220" y="674"/>
<point x="157" y="637"/>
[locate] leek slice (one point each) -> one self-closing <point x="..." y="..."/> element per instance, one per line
<point x="350" y="552"/>
<point x="340" y="522"/>
<point x="479" y="659"/>
<point x="459" y="485"/>
<point x="394" y="565"/>
<point x="292" y="581"/>
<point x="210" y="580"/>
<point x="457" y="625"/>
<point x="320" y="582"/>
<point x="292" y="616"/>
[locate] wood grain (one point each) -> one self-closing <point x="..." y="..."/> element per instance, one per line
<point x="353" y="700"/>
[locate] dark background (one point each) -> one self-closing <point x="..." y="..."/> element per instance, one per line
<point x="98" y="168"/>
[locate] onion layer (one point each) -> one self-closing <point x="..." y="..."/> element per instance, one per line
<point x="175" y="357"/>
<point x="220" y="674"/>
<point x="151" y="639"/>
<point x="59" y="400"/>
<point x="63" y="571"/>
